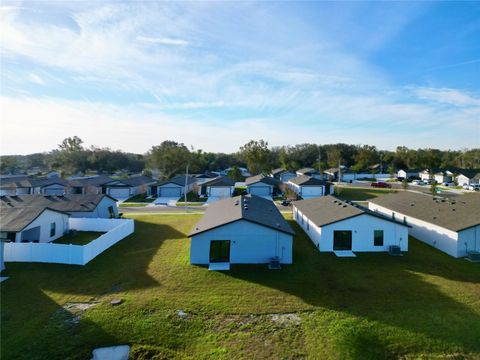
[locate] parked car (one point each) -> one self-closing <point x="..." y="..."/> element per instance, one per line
<point x="475" y="187"/>
<point x="286" y="202"/>
<point x="381" y="184"/>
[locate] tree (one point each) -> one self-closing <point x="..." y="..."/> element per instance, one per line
<point x="169" y="157"/>
<point x="71" y="144"/>
<point x="235" y="174"/>
<point x="72" y="155"/>
<point x="433" y="188"/>
<point x="391" y="171"/>
<point x="405" y="184"/>
<point x="257" y="156"/>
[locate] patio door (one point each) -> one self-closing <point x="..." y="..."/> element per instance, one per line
<point x="220" y="251"/>
<point x="342" y="240"/>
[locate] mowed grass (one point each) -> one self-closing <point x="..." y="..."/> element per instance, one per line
<point x="359" y="194"/>
<point x="422" y="305"/>
<point x="78" y="237"/>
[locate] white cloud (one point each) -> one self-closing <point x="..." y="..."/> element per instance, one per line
<point x="36" y="79"/>
<point x="163" y="41"/>
<point x="447" y="96"/>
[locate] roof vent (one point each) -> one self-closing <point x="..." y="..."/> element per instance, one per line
<point x="245" y="207"/>
<point x="344" y="206"/>
<point x="453" y="209"/>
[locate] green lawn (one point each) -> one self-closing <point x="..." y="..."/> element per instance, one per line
<point x="132" y="204"/>
<point x="78" y="237"/>
<point x="192" y="196"/>
<point x="359" y="194"/>
<point x="138" y="199"/>
<point x="422" y="305"/>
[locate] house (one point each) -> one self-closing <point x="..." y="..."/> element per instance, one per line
<point x="220" y="187"/>
<point x="282" y="174"/>
<point x="443" y="176"/>
<point x="335" y="225"/>
<point x="88" y="184"/>
<point x="309" y="172"/>
<point x="425" y="175"/>
<point x="245" y="229"/>
<point x="19" y="185"/>
<point x="32" y="224"/>
<point x="125" y="188"/>
<point x="308" y="187"/>
<point x="468" y="177"/>
<point x="77" y="206"/>
<point x="408" y="173"/>
<point x="172" y="188"/>
<point x="206" y="176"/>
<point x="450" y="225"/>
<point x="261" y="185"/>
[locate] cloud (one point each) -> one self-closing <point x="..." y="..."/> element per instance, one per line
<point x="163" y="41"/>
<point x="36" y="79"/>
<point x="447" y="96"/>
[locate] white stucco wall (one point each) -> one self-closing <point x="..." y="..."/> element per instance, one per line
<point x="469" y="240"/>
<point x="44" y="221"/>
<point x="433" y="235"/>
<point x="249" y="244"/>
<point x="362" y="228"/>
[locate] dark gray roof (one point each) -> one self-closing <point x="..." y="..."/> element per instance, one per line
<point x="67" y="203"/>
<point x="220" y="181"/>
<point x="244" y="207"/>
<point x="278" y="171"/>
<point x="29" y="181"/>
<point x="261" y="178"/>
<point x="328" y="209"/>
<point x="206" y="175"/>
<point x="454" y="214"/>
<point x="307" y="171"/>
<point x="305" y="180"/>
<point x="138" y="180"/>
<point x="471" y="174"/>
<point x="178" y="180"/>
<point x="16" y="219"/>
<point x="97" y="181"/>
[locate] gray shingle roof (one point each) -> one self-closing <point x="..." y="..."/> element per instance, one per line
<point x="138" y="180"/>
<point x="454" y="214"/>
<point x="66" y="203"/>
<point x="259" y="211"/>
<point x="328" y="209"/>
<point x="220" y="181"/>
<point x="307" y="180"/>
<point x="307" y="171"/>
<point x="27" y="181"/>
<point x="261" y="178"/>
<point x="16" y="219"/>
<point x="278" y="171"/>
<point x="98" y="180"/>
<point x="178" y="180"/>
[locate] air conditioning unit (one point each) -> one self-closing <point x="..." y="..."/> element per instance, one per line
<point x="394" y="250"/>
<point x="473" y="256"/>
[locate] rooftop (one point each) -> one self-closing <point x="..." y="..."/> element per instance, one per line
<point x="16" y="219"/>
<point x="261" y="178"/>
<point x="305" y="180"/>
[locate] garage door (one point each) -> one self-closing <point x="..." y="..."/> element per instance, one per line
<point x="121" y="193"/>
<point x="169" y="192"/>
<point x="53" y="191"/>
<point x="220" y="191"/>
<point x="312" y="190"/>
<point x="260" y="190"/>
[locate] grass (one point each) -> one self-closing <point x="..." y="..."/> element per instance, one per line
<point x="189" y="204"/>
<point x="192" y="196"/>
<point x="359" y="194"/>
<point x="140" y="198"/>
<point x="422" y="305"/>
<point x="78" y="237"/>
<point x="132" y="204"/>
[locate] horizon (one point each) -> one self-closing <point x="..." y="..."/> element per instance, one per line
<point x="129" y="75"/>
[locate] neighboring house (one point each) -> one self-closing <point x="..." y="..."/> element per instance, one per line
<point x="425" y="175"/>
<point x="88" y="184"/>
<point x="244" y="171"/>
<point x="308" y="187"/>
<point x="125" y="188"/>
<point x="32" y="224"/>
<point x="220" y="187"/>
<point x="172" y="188"/>
<point x="78" y="206"/>
<point x="450" y="225"/>
<point x="206" y="176"/>
<point x="443" y="176"/>
<point x="408" y="174"/>
<point x="309" y="172"/>
<point x="261" y="185"/>
<point x="468" y="177"/>
<point x="335" y="225"/>
<point x="241" y="230"/>
<point x="282" y="174"/>
<point x="20" y="185"/>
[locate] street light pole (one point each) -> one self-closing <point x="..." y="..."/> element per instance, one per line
<point x="186" y="187"/>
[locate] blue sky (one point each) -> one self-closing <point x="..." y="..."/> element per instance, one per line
<point x="129" y="75"/>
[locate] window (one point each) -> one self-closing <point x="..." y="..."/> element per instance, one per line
<point x="296" y="214"/>
<point x="220" y="251"/>
<point x="405" y="220"/>
<point x="342" y="240"/>
<point x="378" y="238"/>
<point x="111" y="212"/>
<point x="308" y="225"/>
<point x="302" y="219"/>
<point x="52" y="229"/>
<point x="11" y="236"/>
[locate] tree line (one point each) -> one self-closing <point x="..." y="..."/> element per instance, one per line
<point x="171" y="157"/>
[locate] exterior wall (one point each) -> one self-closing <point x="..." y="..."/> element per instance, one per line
<point x="7" y="192"/>
<point x="463" y="180"/>
<point x="249" y="244"/>
<point x="54" y="189"/>
<point x="23" y="191"/>
<point x="433" y="235"/>
<point x="260" y="185"/>
<point x="44" y="221"/>
<point x="468" y="240"/>
<point x="425" y="176"/>
<point x="362" y="228"/>
<point x="101" y="211"/>
<point x="228" y="190"/>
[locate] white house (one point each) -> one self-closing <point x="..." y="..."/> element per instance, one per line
<point x="335" y="225"/>
<point x="450" y="225"/>
<point x="220" y="187"/>
<point x="261" y="185"/>
<point x="32" y="224"/>
<point x="308" y="187"/>
<point x="84" y="206"/>
<point x="125" y="188"/>
<point x="241" y="230"/>
<point x="443" y="176"/>
<point x="409" y="173"/>
<point x="309" y="172"/>
<point x="282" y="174"/>
<point x="425" y="175"/>
<point x="468" y="177"/>
<point x="172" y="188"/>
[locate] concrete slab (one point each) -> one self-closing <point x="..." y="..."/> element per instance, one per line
<point x="119" y="352"/>
<point x="165" y="200"/>
<point x="219" y="266"/>
<point x="344" y="253"/>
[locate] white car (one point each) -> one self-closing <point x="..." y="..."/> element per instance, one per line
<point x="475" y="187"/>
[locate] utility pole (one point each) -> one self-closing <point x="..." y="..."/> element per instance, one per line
<point x="339" y="172"/>
<point x="186" y="187"/>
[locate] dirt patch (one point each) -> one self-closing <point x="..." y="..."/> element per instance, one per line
<point x="286" y="319"/>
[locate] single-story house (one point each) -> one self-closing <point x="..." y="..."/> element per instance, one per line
<point x="335" y="225"/>
<point x="172" y="188"/>
<point x="426" y="175"/>
<point x="78" y="206"/>
<point x="261" y="185"/>
<point x="450" y="225"/>
<point x="282" y="174"/>
<point x="125" y="188"/>
<point x="206" y="176"/>
<point x="220" y="187"/>
<point x="32" y="224"/>
<point x="468" y="177"/>
<point x="443" y="176"/>
<point x="20" y="185"/>
<point x="244" y="229"/>
<point x="309" y="172"/>
<point x="408" y="174"/>
<point x="308" y="187"/>
<point x="88" y="184"/>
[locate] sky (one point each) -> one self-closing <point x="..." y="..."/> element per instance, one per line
<point x="214" y="75"/>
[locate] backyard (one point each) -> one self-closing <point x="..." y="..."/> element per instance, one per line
<point x="78" y="237"/>
<point x="422" y="305"/>
<point x="360" y="194"/>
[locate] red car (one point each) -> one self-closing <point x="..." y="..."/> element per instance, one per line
<point x="381" y="184"/>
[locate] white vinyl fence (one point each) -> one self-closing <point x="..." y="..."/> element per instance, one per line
<point x="115" y="230"/>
